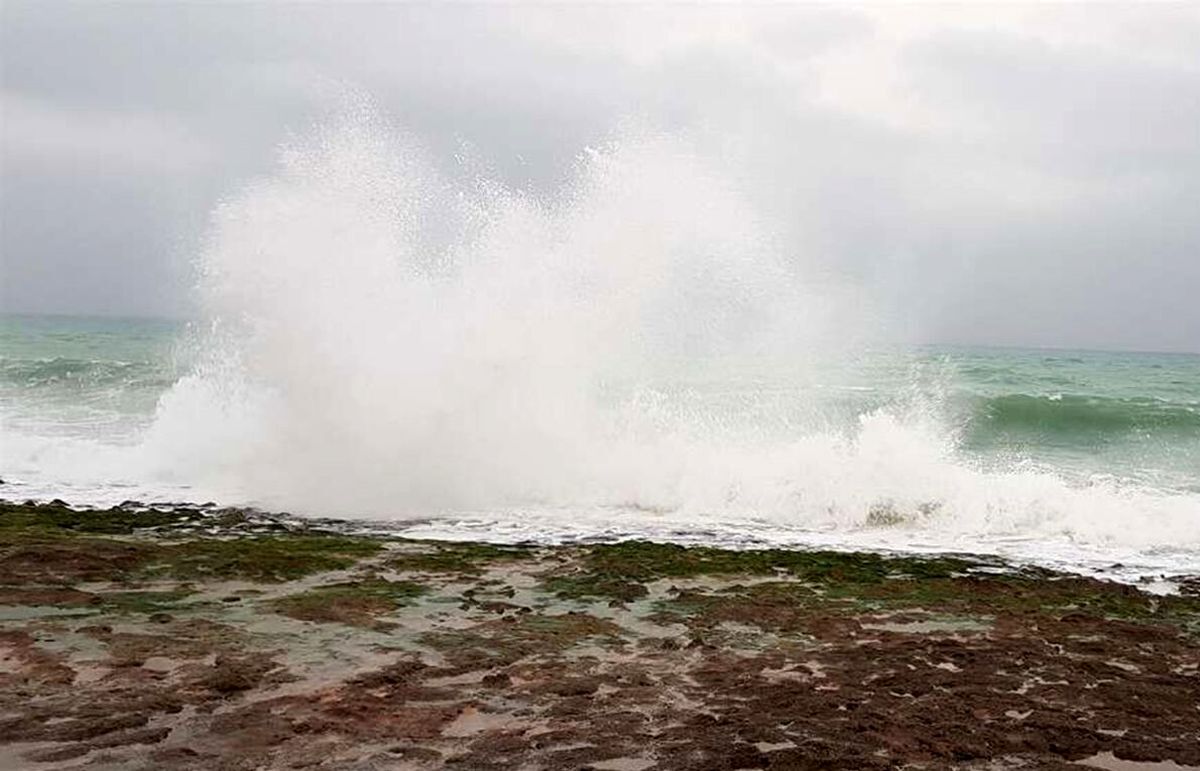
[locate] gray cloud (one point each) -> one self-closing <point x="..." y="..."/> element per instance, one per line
<point x="1014" y="176"/>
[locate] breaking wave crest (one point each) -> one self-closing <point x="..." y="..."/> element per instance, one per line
<point x="386" y="340"/>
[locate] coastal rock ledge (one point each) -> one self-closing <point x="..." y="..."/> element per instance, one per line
<point x="202" y="638"/>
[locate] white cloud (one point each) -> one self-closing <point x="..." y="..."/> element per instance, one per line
<point x="935" y="150"/>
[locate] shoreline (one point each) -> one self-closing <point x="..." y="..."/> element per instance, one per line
<point x="1156" y="571"/>
<point x="190" y="638"/>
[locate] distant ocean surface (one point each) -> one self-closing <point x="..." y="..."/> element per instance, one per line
<point x="1081" y="458"/>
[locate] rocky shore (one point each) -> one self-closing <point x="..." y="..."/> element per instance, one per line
<point x="200" y="638"/>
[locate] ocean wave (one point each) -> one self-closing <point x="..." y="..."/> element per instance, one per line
<point x="1077" y="416"/>
<point x="82" y="374"/>
<point x="353" y="365"/>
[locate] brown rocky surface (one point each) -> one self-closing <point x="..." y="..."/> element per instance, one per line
<point x="121" y="648"/>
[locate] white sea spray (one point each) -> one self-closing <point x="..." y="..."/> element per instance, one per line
<point x="638" y="355"/>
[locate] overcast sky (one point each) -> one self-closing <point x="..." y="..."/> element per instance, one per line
<point x="1004" y="175"/>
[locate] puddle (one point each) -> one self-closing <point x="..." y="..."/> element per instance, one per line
<point x="471" y="722"/>
<point x="623" y="764"/>
<point x="160" y="664"/>
<point x="930" y="626"/>
<point x="1110" y="762"/>
<point x="30" y="612"/>
<point x="805" y="671"/>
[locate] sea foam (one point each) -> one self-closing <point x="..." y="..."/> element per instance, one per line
<point x="636" y="354"/>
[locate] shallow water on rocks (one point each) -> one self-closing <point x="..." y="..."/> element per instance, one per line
<point x="1109" y="762"/>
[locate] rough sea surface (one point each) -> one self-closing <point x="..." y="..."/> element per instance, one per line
<point x="379" y="337"/>
<point x="1070" y="458"/>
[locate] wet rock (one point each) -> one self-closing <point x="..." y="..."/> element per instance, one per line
<point x="759" y="659"/>
<point x="58" y="754"/>
<point x="232" y="674"/>
<point x="497" y="680"/>
<point x="580" y="686"/>
<point x="168" y="756"/>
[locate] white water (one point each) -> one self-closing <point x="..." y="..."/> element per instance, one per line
<point x="387" y="342"/>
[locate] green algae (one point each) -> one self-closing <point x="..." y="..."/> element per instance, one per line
<point x="790" y="605"/>
<point x="39" y="560"/>
<point x="356" y="603"/>
<point x="56" y="519"/>
<point x="839" y="582"/>
<point x="142" y="602"/>
<point x="619" y="571"/>
<point x="781" y="607"/>
<point x="1056" y="596"/>
<point x="457" y="558"/>
<point x="270" y="558"/>
<point x="643" y="560"/>
<point x="505" y="641"/>
<point x="55" y="544"/>
<point x="594" y="586"/>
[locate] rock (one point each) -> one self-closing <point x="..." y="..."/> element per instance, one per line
<point x="497" y="680"/>
<point x="576" y="686"/>
<point x="230" y="675"/>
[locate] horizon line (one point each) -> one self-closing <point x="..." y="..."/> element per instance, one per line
<point x="101" y="315"/>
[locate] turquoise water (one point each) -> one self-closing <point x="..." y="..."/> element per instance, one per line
<point x="1123" y="413"/>
<point x="1039" y="445"/>
<point x="1130" y="414"/>
<point x="636" y="355"/>
<point x="91" y="376"/>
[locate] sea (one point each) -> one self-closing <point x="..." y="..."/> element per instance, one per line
<point x="640" y="352"/>
<point x="1088" y="460"/>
